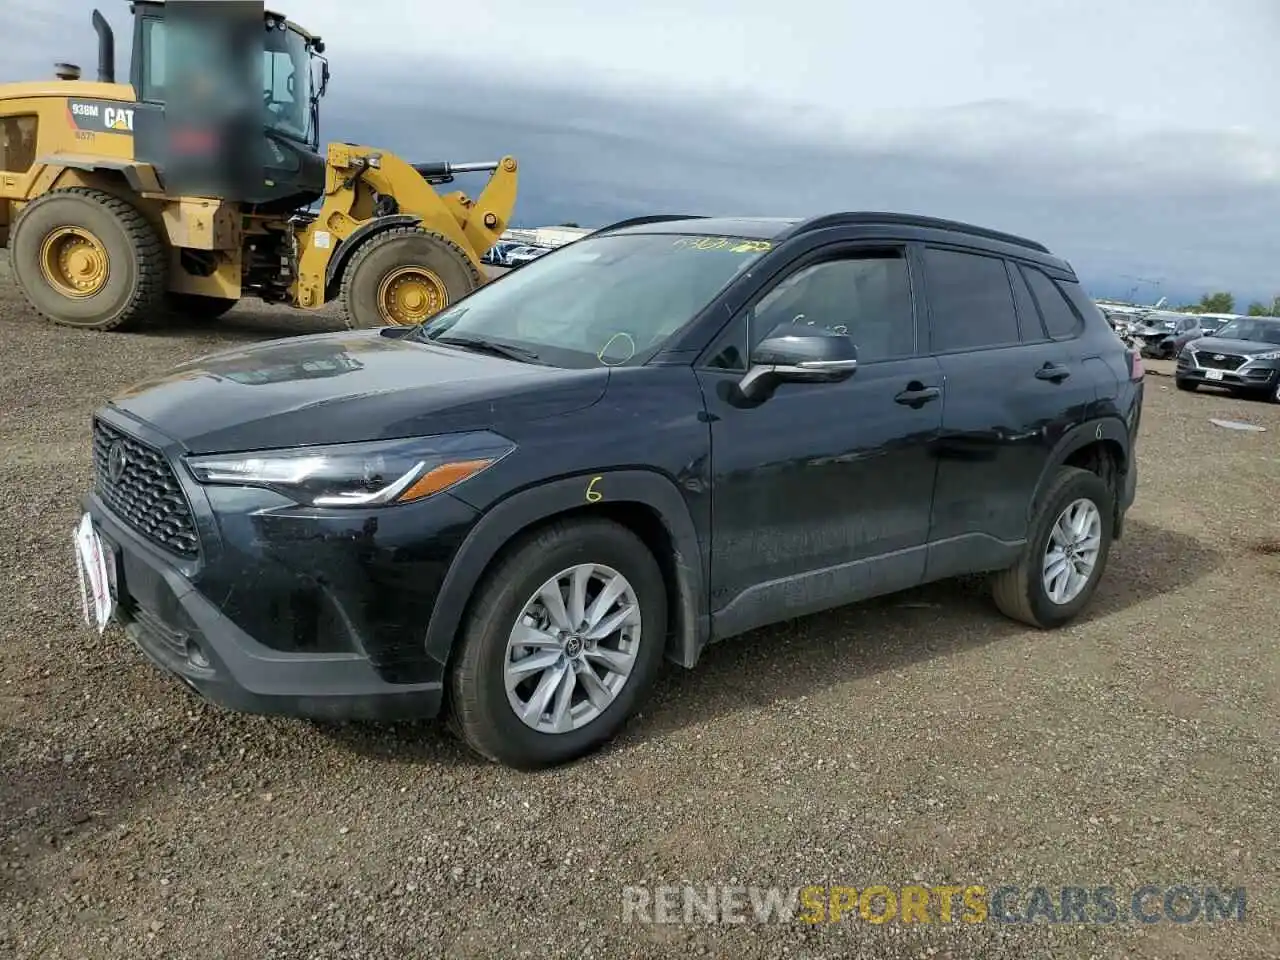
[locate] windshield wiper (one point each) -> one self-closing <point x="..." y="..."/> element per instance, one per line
<point x="481" y="345"/>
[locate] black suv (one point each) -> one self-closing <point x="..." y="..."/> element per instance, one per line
<point x="1243" y="356"/>
<point x="661" y="436"/>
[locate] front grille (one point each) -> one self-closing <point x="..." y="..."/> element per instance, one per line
<point x="146" y="495"/>
<point x="1210" y="361"/>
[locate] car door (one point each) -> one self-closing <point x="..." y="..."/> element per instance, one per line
<point x="821" y="493"/>
<point x="1012" y="391"/>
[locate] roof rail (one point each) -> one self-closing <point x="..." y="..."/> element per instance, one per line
<point x="650" y="218"/>
<point x="913" y="220"/>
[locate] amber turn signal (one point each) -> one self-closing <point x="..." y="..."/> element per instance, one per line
<point x="445" y="475"/>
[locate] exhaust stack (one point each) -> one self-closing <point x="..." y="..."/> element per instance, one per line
<point x="106" y="49"/>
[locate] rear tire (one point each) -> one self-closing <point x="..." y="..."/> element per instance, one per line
<point x="194" y="307"/>
<point x="86" y="258"/>
<point x="480" y="710"/>
<point x="404" y="276"/>
<point x="1020" y="592"/>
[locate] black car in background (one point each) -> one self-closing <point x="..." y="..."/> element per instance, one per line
<point x="662" y="436"/>
<point x="1242" y="356"/>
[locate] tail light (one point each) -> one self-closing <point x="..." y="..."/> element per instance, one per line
<point x="1136" y="369"/>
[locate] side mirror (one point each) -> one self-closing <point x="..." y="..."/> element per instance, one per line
<point x="795" y="353"/>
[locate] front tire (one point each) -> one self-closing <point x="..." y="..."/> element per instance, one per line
<point x="404" y="276"/>
<point x="89" y="259"/>
<point x="1065" y="555"/>
<point x="1188" y="385"/>
<point x="530" y="688"/>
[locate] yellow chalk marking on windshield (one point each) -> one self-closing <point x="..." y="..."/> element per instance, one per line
<point x="594" y="495"/>
<point x="732" y="244"/>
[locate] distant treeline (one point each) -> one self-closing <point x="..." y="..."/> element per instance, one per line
<point x="1222" y="302"/>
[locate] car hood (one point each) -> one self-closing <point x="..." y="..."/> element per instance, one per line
<point x="339" y="387"/>
<point x="1241" y="348"/>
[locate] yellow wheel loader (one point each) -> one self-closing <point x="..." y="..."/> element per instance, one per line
<point x="201" y="182"/>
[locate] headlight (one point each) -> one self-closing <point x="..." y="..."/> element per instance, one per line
<point x="358" y="474"/>
<point x="1269" y="355"/>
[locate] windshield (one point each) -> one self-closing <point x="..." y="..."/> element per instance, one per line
<point x="1260" y="331"/>
<point x="601" y="301"/>
<point x="286" y="84"/>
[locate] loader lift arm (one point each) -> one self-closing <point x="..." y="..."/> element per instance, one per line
<point x="373" y="198"/>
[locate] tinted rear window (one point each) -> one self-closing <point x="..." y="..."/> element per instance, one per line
<point x="970" y="301"/>
<point x="1060" y="319"/>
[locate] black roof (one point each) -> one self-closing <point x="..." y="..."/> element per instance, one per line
<point x="777" y="228"/>
<point x="752" y="228"/>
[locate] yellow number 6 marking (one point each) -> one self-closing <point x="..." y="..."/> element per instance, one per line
<point x="594" y="495"/>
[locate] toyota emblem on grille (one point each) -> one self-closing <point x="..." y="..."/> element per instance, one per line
<point x="1218" y="356"/>
<point x="117" y="460"/>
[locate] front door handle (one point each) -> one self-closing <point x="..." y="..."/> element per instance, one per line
<point x="1053" y="371"/>
<point x="917" y="395"/>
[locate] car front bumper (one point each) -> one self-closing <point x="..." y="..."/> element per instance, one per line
<point x="185" y="634"/>
<point x="1259" y="375"/>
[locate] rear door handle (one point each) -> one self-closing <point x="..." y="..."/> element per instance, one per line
<point x="1053" y="371"/>
<point x="916" y="395"/>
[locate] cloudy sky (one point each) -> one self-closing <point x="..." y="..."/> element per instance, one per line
<point x="1139" y="139"/>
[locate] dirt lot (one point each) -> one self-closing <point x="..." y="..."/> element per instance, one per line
<point x="919" y="739"/>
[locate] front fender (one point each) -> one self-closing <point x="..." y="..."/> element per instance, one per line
<point x="333" y="271"/>
<point x="580" y="494"/>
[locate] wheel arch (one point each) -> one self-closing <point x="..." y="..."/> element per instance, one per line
<point x="138" y="177"/>
<point x="643" y="501"/>
<point x="1100" y="446"/>
<point x="347" y="248"/>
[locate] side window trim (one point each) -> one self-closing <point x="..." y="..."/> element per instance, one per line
<point x="1032" y="329"/>
<point x="933" y="328"/>
<point x="1076" y="331"/>
<point x="738" y="327"/>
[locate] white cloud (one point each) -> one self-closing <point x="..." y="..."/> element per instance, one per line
<point x="1143" y="61"/>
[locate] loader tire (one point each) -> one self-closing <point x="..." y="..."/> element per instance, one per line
<point x="403" y="276"/>
<point x="195" y="308"/>
<point x="86" y="258"/>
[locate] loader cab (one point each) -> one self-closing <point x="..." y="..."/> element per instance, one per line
<point x="274" y="66"/>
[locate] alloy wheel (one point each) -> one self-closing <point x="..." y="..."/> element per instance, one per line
<point x="1072" y="552"/>
<point x="572" y="648"/>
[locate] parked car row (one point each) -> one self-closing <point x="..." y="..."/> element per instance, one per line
<point x="509" y="254"/>
<point x="1162" y="334"/>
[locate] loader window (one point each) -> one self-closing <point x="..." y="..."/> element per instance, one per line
<point x="601" y="301"/>
<point x="17" y="143"/>
<point x="286" y="77"/>
<point x="286" y="84"/>
<point x="153" y="66"/>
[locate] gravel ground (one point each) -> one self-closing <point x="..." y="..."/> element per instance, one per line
<point x="922" y="738"/>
